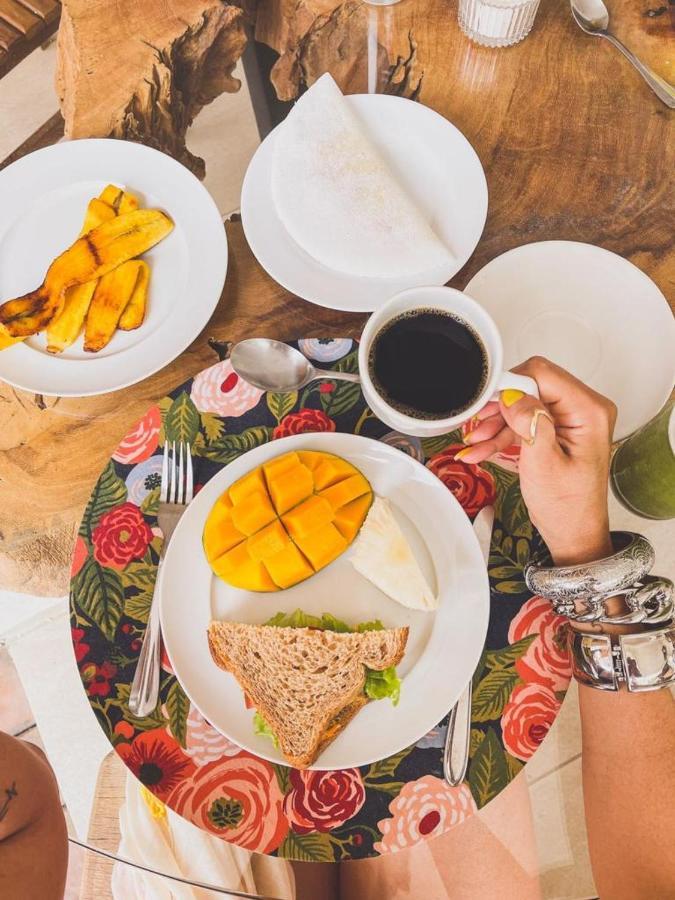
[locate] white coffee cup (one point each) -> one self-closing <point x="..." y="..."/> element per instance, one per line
<point x="446" y="300"/>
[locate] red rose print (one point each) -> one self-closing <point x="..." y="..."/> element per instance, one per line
<point x="97" y="678"/>
<point x="327" y="387"/>
<point x="473" y="487"/>
<point x="81" y="649"/>
<point x="157" y="760"/>
<point x="302" y="421"/>
<point x="547" y="659"/>
<point x="80" y="554"/>
<point x="142" y="440"/>
<point x="236" y="798"/>
<point x="320" y="801"/>
<point x="527" y="718"/>
<point x="120" y="536"/>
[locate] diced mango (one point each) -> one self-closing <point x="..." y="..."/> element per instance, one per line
<point x="306" y="518"/>
<point x="290" y="488"/>
<point x="220" y="532"/>
<point x="344" y="492"/>
<point x="322" y="546"/>
<point x="349" y="519"/>
<point x="253" y="512"/>
<point x="285" y="520"/>
<point x="311" y="458"/>
<point x="288" y="567"/>
<point x="269" y="541"/>
<point x="331" y="470"/>
<point x="238" y="569"/>
<point x="254" y="481"/>
<point x="280" y="464"/>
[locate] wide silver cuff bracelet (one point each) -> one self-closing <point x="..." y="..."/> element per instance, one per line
<point x="644" y="661"/>
<point x="589" y="586"/>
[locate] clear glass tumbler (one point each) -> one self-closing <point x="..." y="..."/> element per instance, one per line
<point x="497" y="23"/>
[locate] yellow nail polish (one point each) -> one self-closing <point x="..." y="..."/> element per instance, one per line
<point x="509" y="397"/>
<point x="463" y="452"/>
<point x="467" y="437"/>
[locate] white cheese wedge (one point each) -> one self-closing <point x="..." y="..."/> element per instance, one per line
<point x="384" y="557"/>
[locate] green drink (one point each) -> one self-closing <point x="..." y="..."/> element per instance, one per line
<point x="643" y="468"/>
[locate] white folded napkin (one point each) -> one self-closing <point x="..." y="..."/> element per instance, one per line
<point x="156" y="837"/>
<point x="339" y="200"/>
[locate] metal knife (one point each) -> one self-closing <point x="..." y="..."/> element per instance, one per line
<point x="456" y="753"/>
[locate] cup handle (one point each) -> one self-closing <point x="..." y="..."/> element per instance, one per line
<point x="511" y="381"/>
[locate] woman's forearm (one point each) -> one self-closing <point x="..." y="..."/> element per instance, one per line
<point x="628" y="766"/>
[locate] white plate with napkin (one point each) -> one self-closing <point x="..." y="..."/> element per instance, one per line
<point x="352" y="199"/>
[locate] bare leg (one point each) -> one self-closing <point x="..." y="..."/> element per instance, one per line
<point x="491" y="855"/>
<point x="316" y="881"/>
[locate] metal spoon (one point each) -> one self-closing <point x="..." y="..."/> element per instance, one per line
<point x="274" y="366"/>
<point x="593" y="18"/>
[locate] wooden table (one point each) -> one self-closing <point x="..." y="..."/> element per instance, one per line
<point x="574" y="146"/>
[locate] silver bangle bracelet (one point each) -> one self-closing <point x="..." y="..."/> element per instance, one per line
<point x="643" y="662"/>
<point x="590" y="585"/>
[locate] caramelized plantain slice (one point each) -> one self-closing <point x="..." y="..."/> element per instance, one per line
<point x="64" y="328"/>
<point x="120" y="200"/>
<point x="6" y="340"/>
<point x="111" y="296"/>
<point x="134" y="312"/>
<point x="90" y="257"/>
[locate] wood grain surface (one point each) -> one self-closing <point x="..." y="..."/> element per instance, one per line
<point x="574" y="146"/>
<point x="143" y="71"/>
<point x="53" y="449"/>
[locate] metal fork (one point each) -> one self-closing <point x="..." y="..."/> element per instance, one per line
<point x="176" y="492"/>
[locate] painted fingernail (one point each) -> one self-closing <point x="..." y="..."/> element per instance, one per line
<point x="463" y="452"/>
<point x="509" y="397"/>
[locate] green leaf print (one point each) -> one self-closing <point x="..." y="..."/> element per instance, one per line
<point x="230" y="446"/>
<point x="313" y="847"/>
<point x="488" y="773"/>
<point x="182" y="420"/>
<point x="281" y="404"/>
<point x="98" y="592"/>
<point x="178" y="707"/>
<point x="492" y="693"/>
<point x="109" y="491"/>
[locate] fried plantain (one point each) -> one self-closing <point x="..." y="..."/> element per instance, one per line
<point x="90" y="257"/>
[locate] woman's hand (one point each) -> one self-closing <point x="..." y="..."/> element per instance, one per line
<point x="564" y="462"/>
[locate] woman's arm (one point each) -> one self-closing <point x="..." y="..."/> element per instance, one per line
<point x="628" y="739"/>
<point x="33" y="836"/>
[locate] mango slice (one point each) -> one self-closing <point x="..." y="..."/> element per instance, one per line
<point x="286" y="520"/>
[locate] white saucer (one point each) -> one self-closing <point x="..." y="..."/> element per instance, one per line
<point x="436" y="165"/>
<point x="43" y="198"/>
<point x="591" y="312"/>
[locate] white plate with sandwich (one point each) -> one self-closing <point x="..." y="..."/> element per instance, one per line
<point x="309" y="680"/>
<point x="45" y="198"/>
<point x="352" y="199"/>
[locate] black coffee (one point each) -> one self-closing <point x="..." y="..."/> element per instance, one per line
<point x="428" y="364"/>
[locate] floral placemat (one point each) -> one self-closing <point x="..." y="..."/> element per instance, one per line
<point x="323" y="816"/>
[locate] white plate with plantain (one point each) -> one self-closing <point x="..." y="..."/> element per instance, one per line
<point x="112" y="259"/>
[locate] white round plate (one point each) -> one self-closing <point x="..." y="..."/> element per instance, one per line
<point x="590" y="311"/>
<point x="435" y="164"/>
<point x="443" y="646"/>
<point x="43" y="199"/>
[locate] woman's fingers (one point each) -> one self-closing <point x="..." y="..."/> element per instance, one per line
<point x="478" y="453"/>
<point x="483" y="431"/>
<point x="528" y="418"/>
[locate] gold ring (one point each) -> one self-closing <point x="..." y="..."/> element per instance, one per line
<point x="533" y="424"/>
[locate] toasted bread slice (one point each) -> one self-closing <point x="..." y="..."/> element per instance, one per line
<point x="307" y="684"/>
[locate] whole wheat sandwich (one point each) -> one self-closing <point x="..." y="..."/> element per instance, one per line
<point x="306" y="683"/>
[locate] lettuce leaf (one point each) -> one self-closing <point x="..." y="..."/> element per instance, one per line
<point x="383" y="684"/>
<point x="261" y="727"/>
<point x="378" y="684"/>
